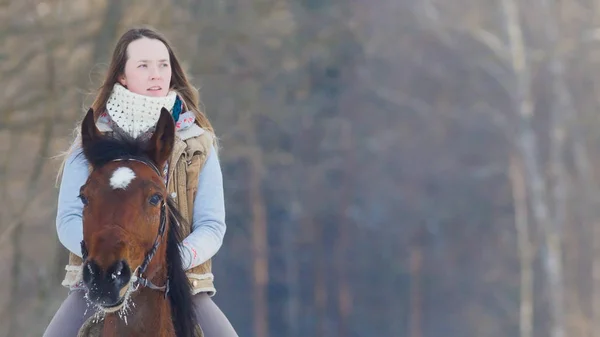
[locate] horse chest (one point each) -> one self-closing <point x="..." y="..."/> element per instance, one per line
<point x="141" y="324"/>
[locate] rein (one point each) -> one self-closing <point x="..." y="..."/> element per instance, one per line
<point x="137" y="278"/>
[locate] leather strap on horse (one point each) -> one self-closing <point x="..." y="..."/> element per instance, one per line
<point x="161" y="231"/>
<point x="140" y="280"/>
<point x="144" y="282"/>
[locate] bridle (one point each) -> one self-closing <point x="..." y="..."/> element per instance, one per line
<point x="137" y="279"/>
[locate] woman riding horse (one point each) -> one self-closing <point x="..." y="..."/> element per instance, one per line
<point x="144" y="77"/>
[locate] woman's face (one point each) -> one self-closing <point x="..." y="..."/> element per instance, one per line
<point x="148" y="68"/>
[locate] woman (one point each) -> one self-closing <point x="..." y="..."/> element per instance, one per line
<point x="144" y="76"/>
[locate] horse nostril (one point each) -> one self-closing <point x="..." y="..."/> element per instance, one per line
<point x="90" y="271"/>
<point x="120" y="273"/>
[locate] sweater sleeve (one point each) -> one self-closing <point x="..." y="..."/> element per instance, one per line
<point x="208" y="219"/>
<point x="69" y="226"/>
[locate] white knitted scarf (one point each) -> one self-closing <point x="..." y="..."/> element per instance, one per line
<point x="135" y="113"/>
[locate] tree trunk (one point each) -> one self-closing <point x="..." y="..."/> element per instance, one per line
<point x="344" y="296"/>
<point x="17" y="263"/>
<point x="416" y="265"/>
<point x="562" y="115"/>
<point x="108" y="30"/>
<point x="292" y="278"/>
<point x="259" y="249"/>
<point x="585" y="173"/>
<point x="519" y="193"/>
<point x="526" y="143"/>
<point x="320" y="290"/>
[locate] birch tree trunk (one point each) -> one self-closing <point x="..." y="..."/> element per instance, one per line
<point x="563" y="112"/>
<point x="527" y="145"/>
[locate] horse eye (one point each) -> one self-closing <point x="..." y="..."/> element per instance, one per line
<point x="155" y="199"/>
<point x="84" y="200"/>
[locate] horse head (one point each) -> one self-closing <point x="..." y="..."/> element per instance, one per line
<point x="130" y="226"/>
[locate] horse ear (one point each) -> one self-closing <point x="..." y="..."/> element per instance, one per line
<point x="163" y="139"/>
<point x="89" y="131"/>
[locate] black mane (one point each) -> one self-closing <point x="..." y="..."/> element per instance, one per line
<point x="180" y="294"/>
<point x="107" y="148"/>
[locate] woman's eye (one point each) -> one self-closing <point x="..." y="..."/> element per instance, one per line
<point x="84" y="200"/>
<point x="155" y="199"/>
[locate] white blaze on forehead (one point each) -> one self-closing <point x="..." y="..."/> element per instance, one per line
<point x="121" y="178"/>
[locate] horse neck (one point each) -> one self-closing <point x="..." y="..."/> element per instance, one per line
<point x="149" y="314"/>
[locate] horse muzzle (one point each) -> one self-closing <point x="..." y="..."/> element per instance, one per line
<point x="107" y="288"/>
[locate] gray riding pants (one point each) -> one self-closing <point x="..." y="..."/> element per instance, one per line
<point x="74" y="311"/>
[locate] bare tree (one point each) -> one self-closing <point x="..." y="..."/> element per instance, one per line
<point x="528" y="149"/>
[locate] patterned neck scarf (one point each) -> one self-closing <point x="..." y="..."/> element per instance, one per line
<point x="137" y="115"/>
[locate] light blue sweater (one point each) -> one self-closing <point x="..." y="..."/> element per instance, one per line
<point x="208" y="219"/>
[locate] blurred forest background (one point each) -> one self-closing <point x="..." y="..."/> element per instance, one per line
<point x="391" y="167"/>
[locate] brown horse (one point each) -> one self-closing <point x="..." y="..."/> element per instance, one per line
<point x="132" y="266"/>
